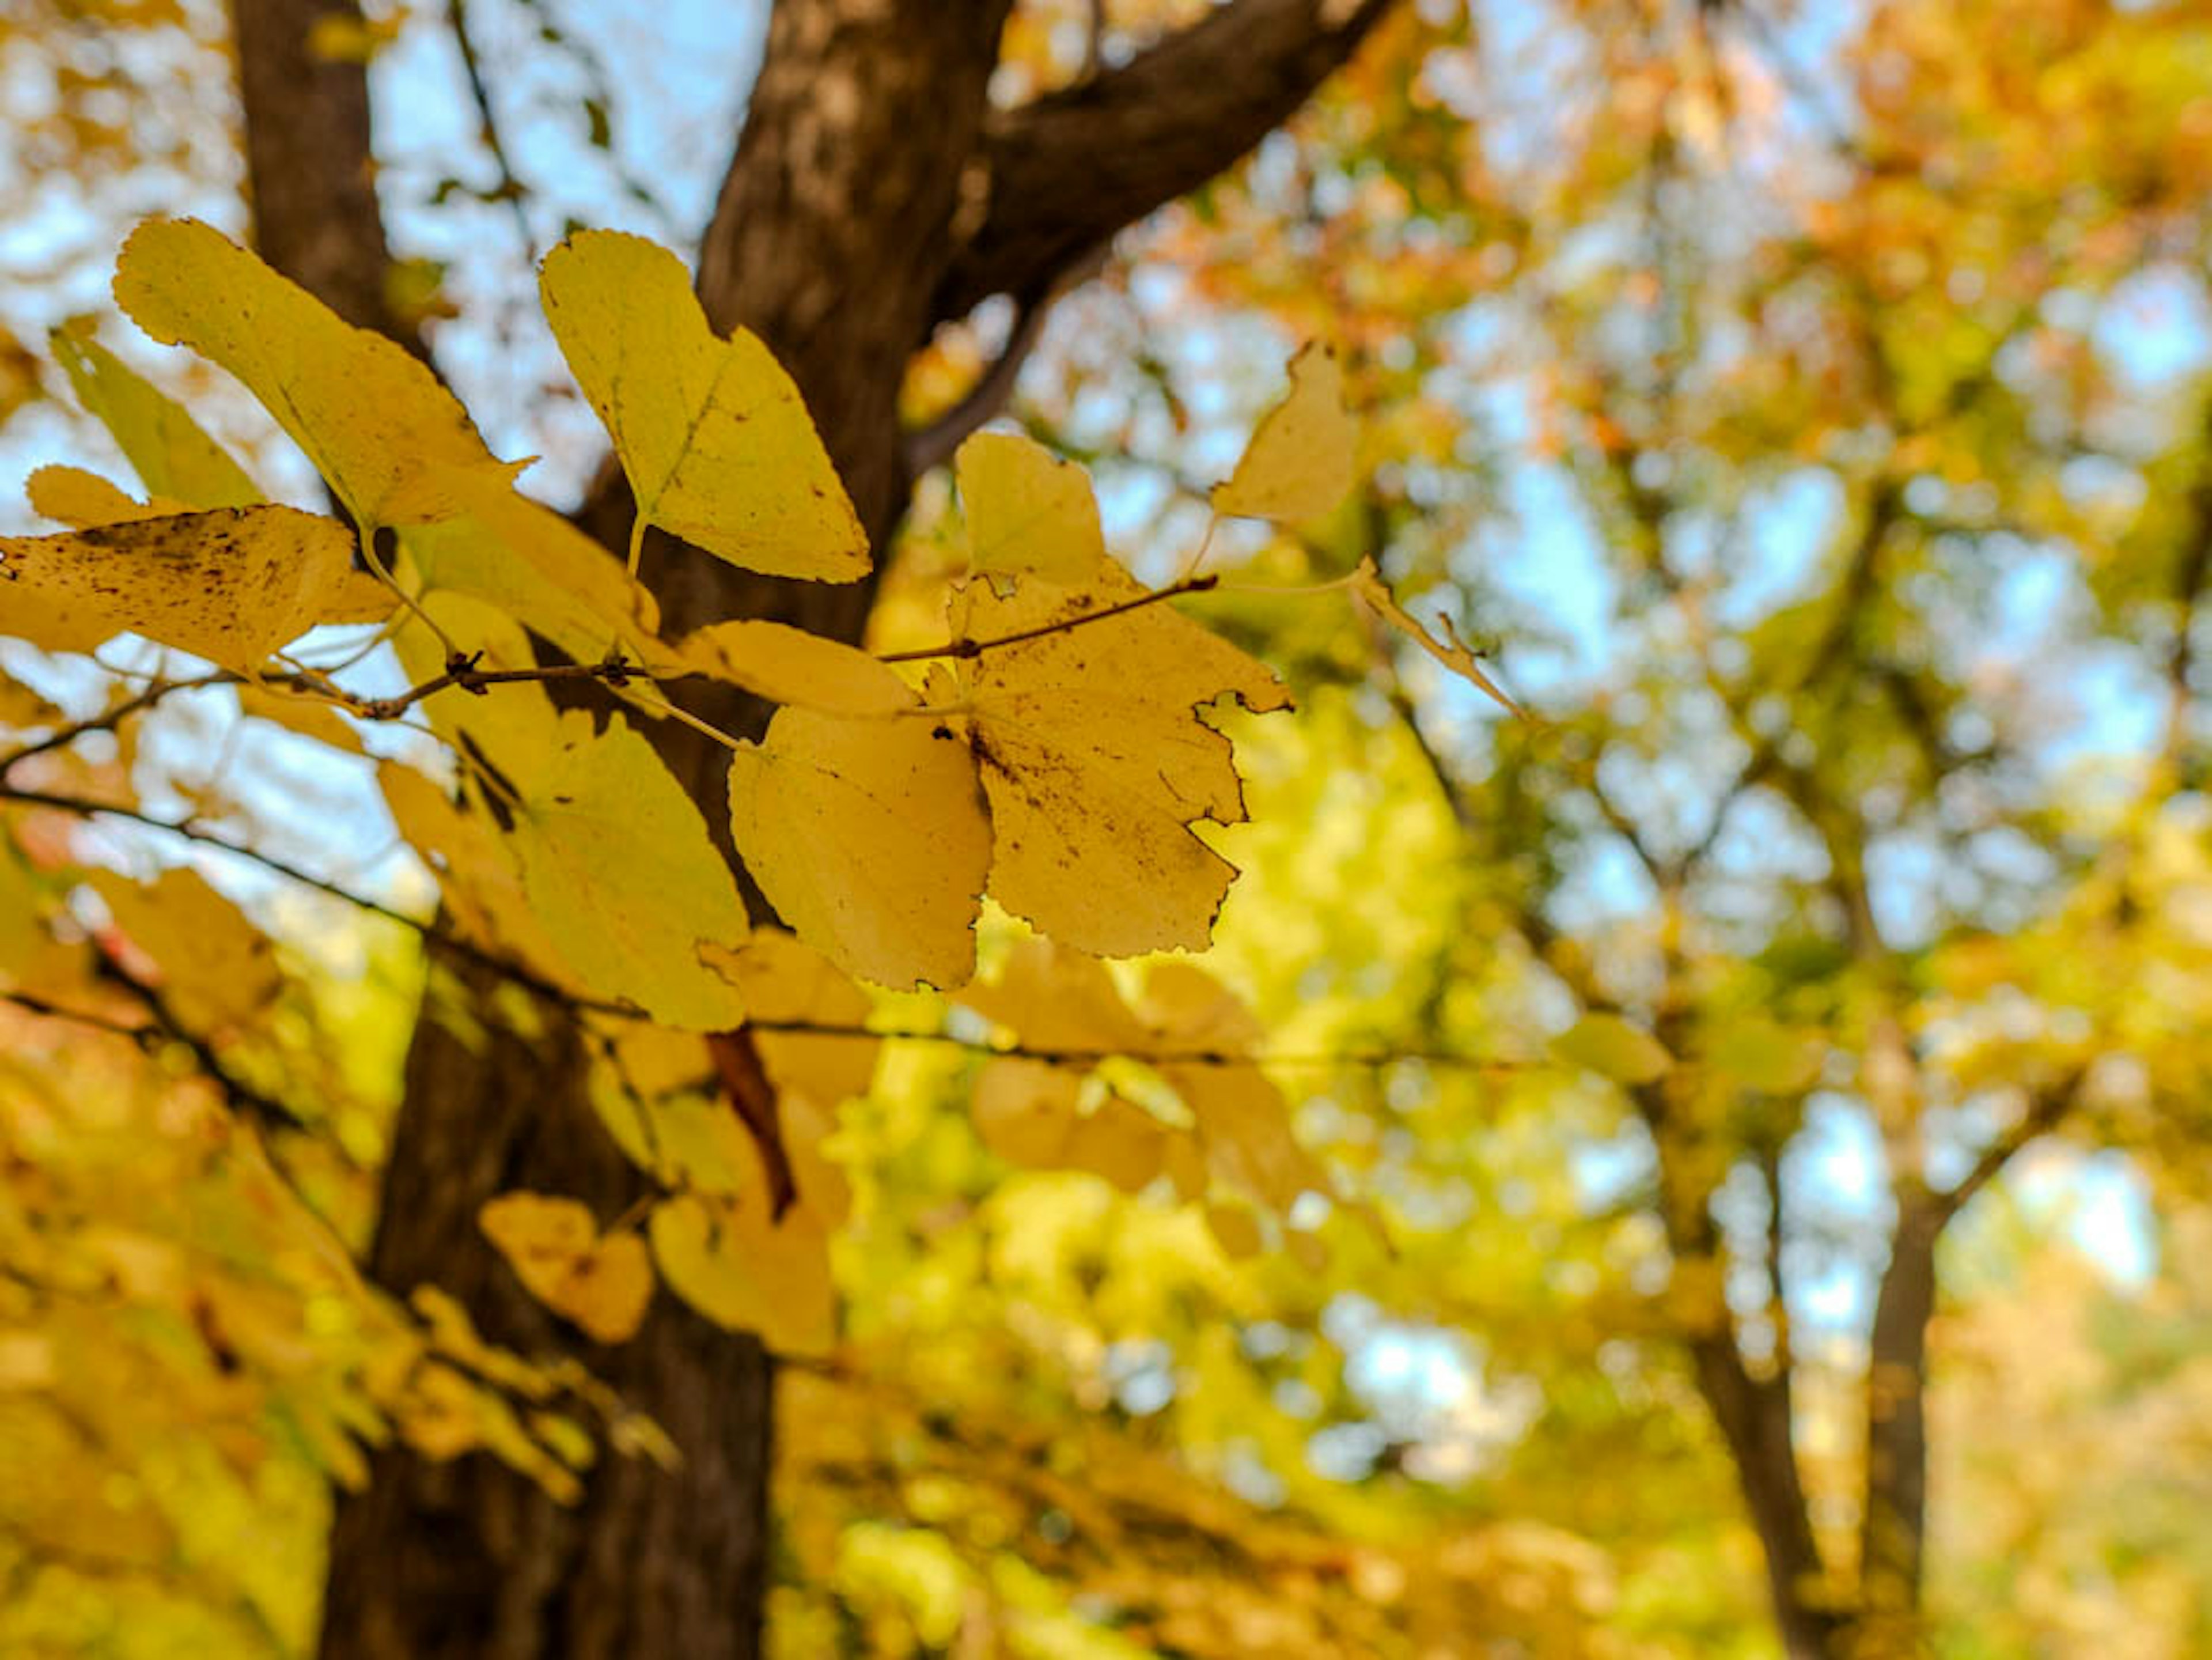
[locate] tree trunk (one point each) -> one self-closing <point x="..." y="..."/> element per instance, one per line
<point x="870" y="167"/>
<point x="832" y="233"/>
<point x="1893" y="1529"/>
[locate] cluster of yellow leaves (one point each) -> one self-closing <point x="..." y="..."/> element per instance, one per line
<point x="1056" y="753"/>
<point x="1091" y="1107"/>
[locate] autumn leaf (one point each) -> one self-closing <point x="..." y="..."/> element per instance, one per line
<point x="615" y="863"/>
<point x="530" y="563"/>
<point x="1096" y="762"/>
<point x="602" y="1283"/>
<point x="789" y="665"/>
<point x="1371" y="592"/>
<point x="1030" y="1113"/>
<point x="1029" y="511"/>
<point x="375" y="422"/>
<point x="72" y="497"/>
<point x="174" y="459"/>
<point x="870" y="839"/>
<point x="1189" y="1028"/>
<point x="1612" y="1047"/>
<point x="718" y="447"/>
<point x="730" y="1259"/>
<point x="231" y="585"/>
<point x="216" y="967"/>
<point x="1299" y="463"/>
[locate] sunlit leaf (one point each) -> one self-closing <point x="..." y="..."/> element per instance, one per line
<point x="1299" y="463"/>
<point x="717" y="445"/>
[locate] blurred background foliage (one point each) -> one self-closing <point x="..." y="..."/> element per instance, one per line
<point x="1808" y="409"/>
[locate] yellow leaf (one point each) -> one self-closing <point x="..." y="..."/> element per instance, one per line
<point x="1059" y="1000"/>
<point x="1235" y="1229"/>
<point x="1096" y="762"/>
<point x="870" y="840"/>
<point x="603" y="1284"/>
<point x="1028" y="509"/>
<point x="1190" y="1029"/>
<point x="391" y="439"/>
<point x="780" y="979"/>
<point x="363" y="597"/>
<point x="1609" y="1046"/>
<point x="729" y="1260"/>
<point x="1299" y="463"/>
<point x="1028" y="1112"/>
<point x="1454" y="652"/>
<point x="527" y="561"/>
<point x="216" y="968"/>
<point x="717" y="445"/>
<point x="72" y="497"/>
<point x="791" y="666"/>
<point x="172" y="458"/>
<point x="618" y="866"/>
<point x="1761" y="1053"/>
<point x="230" y="585"/>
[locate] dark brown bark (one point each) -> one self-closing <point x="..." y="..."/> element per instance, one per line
<point x="823" y="245"/>
<point x="1754" y="1419"/>
<point x="308" y="166"/>
<point x="1893" y="1527"/>
<point x="833" y="240"/>
<point x="1059" y="176"/>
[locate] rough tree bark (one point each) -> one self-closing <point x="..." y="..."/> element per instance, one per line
<point x="873" y="194"/>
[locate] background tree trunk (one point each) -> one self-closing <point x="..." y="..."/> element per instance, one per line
<point x="827" y="243"/>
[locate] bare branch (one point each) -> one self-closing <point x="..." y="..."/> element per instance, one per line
<point x="1065" y="172"/>
<point x="509" y="189"/>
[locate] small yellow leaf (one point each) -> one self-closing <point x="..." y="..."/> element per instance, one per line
<point x="725" y="1257"/>
<point x="376" y="423"/>
<point x="618" y="866"/>
<point x="1761" y="1053"/>
<point x="1028" y="1112"/>
<point x="1235" y="1229"/>
<point x="363" y="597"/>
<point x="1096" y="762"/>
<point x="217" y="968"/>
<point x="1299" y="463"/>
<point x="783" y="980"/>
<point x="527" y="561"/>
<point x="791" y="666"/>
<point x="1452" y="652"/>
<point x="603" y="1284"/>
<point x="172" y="458"/>
<point x="869" y="838"/>
<point x="1609" y="1046"/>
<point x="230" y="585"/>
<point x="1028" y="509"/>
<point x="717" y="445"/>
<point x="72" y="497"/>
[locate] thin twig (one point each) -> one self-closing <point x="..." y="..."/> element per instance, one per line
<point x="110" y="718"/>
<point x="964" y="648"/>
<point x="509" y="189"/>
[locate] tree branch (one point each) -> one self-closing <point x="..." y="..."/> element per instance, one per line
<point x="1064" y="173"/>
